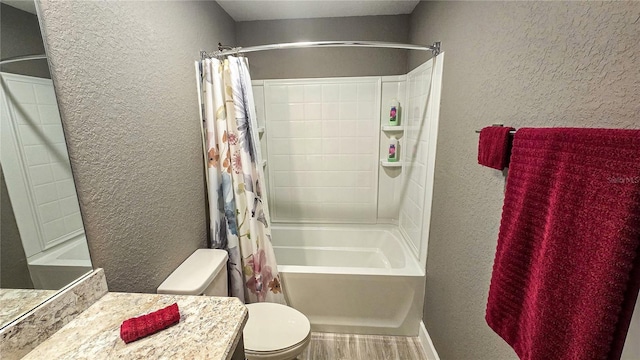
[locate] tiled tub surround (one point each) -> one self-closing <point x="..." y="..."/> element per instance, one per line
<point x="23" y="335"/>
<point x="418" y="154"/>
<point x="322" y="149"/>
<point x="209" y="328"/>
<point x="39" y="178"/>
<point x="389" y="179"/>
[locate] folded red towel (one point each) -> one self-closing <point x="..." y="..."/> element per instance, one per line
<point x="567" y="266"/>
<point x="494" y="146"/>
<point x="145" y="325"/>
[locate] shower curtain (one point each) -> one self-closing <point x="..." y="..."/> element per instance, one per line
<point x="239" y="215"/>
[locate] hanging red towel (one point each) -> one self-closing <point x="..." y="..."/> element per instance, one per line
<point x="494" y="146"/>
<point x="145" y="325"/>
<point x="567" y="268"/>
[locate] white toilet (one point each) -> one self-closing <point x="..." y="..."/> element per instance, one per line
<point x="273" y="331"/>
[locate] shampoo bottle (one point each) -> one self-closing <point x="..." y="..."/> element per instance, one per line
<point x="393" y="149"/>
<point x="393" y="112"/>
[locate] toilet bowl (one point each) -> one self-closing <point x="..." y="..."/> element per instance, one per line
<point x="273" y="331"/>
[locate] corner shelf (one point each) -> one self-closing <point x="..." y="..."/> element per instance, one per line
<point x="261" y="130"/>
<point x="392" y="128"/>
<point x="264" y="163"/>
<point x="391" y="164"/>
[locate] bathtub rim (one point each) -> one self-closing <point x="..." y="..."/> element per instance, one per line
<point x="411" y="268"/>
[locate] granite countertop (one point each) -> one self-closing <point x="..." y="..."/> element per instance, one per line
<point x="209" y="328"/>
<point x="15" y="302"/>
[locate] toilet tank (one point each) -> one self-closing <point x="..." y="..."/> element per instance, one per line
<point x="203" y="273"/>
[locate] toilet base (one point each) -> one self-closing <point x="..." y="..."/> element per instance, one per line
<point x="289" y="353"/>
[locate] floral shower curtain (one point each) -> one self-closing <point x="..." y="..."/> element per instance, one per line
<point x="239" y="215"/>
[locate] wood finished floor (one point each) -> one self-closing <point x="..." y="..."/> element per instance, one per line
<point x="327" y="346"/>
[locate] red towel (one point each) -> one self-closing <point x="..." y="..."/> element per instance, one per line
<point x="145" y="325"/>
<point x="494" y="147"/>
<point x="567" y="268"/>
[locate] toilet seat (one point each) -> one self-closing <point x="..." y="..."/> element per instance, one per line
<point x="275" y="332"/>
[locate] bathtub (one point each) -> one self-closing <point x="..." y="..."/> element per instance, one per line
<point x="56" y="268"/>
<point x="358" y="279"/>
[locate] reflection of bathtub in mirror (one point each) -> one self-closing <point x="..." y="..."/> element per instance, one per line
<point x="57" y="267"/>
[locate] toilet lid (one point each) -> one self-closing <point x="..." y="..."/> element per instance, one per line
<point x="273" y="327"/>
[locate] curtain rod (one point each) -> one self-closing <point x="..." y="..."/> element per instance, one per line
<point x="23" y="58"/>
<point x="226" y="50"/>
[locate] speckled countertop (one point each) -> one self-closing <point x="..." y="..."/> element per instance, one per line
<point x="15" y="302"/>
<point x="209" y="328"/>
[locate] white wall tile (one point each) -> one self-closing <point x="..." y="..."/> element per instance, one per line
<point x="282" y="178"/>
<point x="322" y="144"/>
<point x="54" y="229"/>
<point x="348" y="145"/>
<point x="348" y="111"/>
<point x="277" y="111"/>
<point x="330" y="111"/>
<point x="295" y="112"/>
<point x="28" y="114"/>
<point x="69" y="205"/>
<point x="50" y="211"/>
<point x="61" y="171"/>
<point x="279" y="162"/>
<point x="36" y="154"/>
<point x="330" y="93"/>
<point x="313" y="146"/>
<point x="348" y="129"/>
<point x="295" y="94"/>
<point x="348" y="93"/>
<point x="276" y="95"/>
<point x="330" y="128"/>
<point x="40" y="174"/>
<point x="366" y="111"/>
<point x="44" y="94"/>
<point x="22" y="91"/>
<point x="49" y="114"/>
<point x="313" y="93"/>
<point x="331" y="146"/>
<point x="30" y="135"/>
<point x="53" y="134"/>
<point x="65" y="188"/>
<point x="313" y="129"/>
<point x="73" y="222"/>
<point x="313" y="111"/>
<point x="46" y="193"/>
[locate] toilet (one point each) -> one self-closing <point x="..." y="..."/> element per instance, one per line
<point x="273" y="331"/>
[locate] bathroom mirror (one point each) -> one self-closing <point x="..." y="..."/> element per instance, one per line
<point x="42" y="242"/>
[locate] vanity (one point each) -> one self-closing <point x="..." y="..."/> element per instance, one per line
<point x="209" y="327"/>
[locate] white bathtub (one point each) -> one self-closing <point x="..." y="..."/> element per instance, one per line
<point x="56" y="268"/>
<point x="358" y="279"/>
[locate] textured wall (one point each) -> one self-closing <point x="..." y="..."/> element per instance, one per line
<point x="523" y="64"/>
<point x="125" y="80"/>
<point x="20" y="36"/>
<point x="306" y="63"/>
<point x="14" y="272"/>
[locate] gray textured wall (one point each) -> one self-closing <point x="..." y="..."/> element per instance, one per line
<point x="531" y="64"/>
<point x="311" y="63"/>
<point x="14" y="271"/>
<point x="20" y="36"/>
<point x="124" y="76"/>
